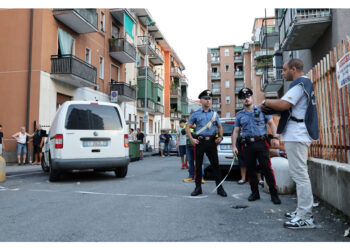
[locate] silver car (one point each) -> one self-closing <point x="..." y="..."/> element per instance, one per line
<point x="225" y="147"/>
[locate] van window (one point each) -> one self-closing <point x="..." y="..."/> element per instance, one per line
<point x="93" y="117"/>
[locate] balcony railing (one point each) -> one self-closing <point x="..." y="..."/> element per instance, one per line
<point x="175" y="92"/>
<point x="238" y="59"/>
<point x="216" y="107"/>
<point x="176" y="115"/>
<point x="121" y="50"/>
<point x="159" y="108"/>
<point x="184" y="99"/>
<point x="271" y="76"/>
<point x="150" y="104"/>
<point x="184" y="81"/>
<point x="215" y="60"/>
<point x="301" y="28"/>
<point x="216" y="91"/>
<point x="79" y="20"/>
<point x="263" y="54"/>
<point x="150" y="74"/>
<point x="158" y="58"/>
<point x="159" y="81"/>
<point x="126" y="93"/>
<point x="239" y="106"/>
<point x="239" y="74"/>
<point x="215" y="76"/>
<point x="175" y="71"/>
<point x="141" y="44"/>
<point x="268" y="34"/>
<point x="73" y="71"/>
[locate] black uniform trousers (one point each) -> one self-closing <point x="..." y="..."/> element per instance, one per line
<point x="210" y="149"/>
<point x="259" y="150"/>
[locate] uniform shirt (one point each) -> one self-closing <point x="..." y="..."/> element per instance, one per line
<point x="251" y="125"/>
<point x="182" y="138"/>
<point x="296" y="131"/>
<point x="201" y="118"/>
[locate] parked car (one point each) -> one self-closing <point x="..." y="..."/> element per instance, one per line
<point x="225" y="153"/>
<point x="87" y="135"/>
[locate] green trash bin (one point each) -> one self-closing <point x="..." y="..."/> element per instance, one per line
<point x="134" y="150"/>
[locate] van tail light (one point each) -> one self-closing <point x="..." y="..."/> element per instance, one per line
<point x="59" y="141"/>
<point x="126" y="140"/>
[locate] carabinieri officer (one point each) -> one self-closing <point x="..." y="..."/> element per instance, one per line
<point x="254" y="144"/>
<point x="203" y="139"/>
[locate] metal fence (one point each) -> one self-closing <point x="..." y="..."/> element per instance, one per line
<point x="333" y="108"/>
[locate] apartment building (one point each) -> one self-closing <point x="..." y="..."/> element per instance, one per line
<point x="50" y="56"/>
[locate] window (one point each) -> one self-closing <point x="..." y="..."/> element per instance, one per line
<point x="227" y="84"/>
<point x="101" y="68"/>
<point x="214" y="70"/>
<point x="93" y="117"/>
<point x="227" y="67"/>
<point x="227" y="52"/>
<point x="228" y="116"/>
<point x="227" y="100"/>
<point x="88" y="55"/>
<point x="115" y="32"/>
<point x="103" y="18"/>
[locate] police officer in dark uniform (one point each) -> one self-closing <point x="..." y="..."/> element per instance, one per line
<point x="203" y="139"/>
<point x="255" y="145"/>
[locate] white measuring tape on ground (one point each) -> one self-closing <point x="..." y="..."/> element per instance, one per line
<point x="233" y="160"/>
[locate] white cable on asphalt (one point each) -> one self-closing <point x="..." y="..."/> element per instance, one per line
<point x="233" y="160"/>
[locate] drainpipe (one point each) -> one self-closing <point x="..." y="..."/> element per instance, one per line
<point x="29" y="68"/>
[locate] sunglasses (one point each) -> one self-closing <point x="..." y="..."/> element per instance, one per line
<point x="206" y="97"/>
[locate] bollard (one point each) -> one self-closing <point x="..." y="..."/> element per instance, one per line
<point x="284" y="183"/>
<point x="2" y="169"/>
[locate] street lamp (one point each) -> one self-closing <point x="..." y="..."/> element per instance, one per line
<point x="145" y="117"/>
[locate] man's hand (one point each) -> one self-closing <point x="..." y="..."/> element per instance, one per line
<point x="235" y="150"/>
<point x="194" y="142"/>
<point x="275" y="143"/>
<point x="218" y="140"/>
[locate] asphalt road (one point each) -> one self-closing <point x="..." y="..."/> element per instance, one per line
<point x="151" y="204"/>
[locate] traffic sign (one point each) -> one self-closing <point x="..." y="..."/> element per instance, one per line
<point x="114" y="96"/>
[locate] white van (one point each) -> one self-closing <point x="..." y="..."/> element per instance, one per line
<point x="87" y="135"/>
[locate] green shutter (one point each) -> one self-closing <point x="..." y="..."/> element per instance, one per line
<point x="128" y="25"/>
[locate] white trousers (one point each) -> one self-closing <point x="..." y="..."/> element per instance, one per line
<point x="297" y="153"/>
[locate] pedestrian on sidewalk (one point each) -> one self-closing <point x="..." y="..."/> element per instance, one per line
<point x="168" y="138"/>
<point x="207" y="123"/>
<point x="298" y="126"/>
<point x="181" y="144"/>
<point x="22" y="141"/>
<point x="255" y="147"/>
<point x="131" y="135"/>
<point x="1" y="142"/>
<point x="38" y="142"/>
<point x="142" y="139"/>
<point x="162" y="139"/>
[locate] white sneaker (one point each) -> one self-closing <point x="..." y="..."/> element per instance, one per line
<point x="298" y="223"/>
<point x="290" y="215"/>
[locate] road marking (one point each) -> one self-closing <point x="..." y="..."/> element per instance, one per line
<point x="196" y="197"/>
<point x="237" y="196"/>
<point x="23" y="174"/>
<point x="113" y="194"/>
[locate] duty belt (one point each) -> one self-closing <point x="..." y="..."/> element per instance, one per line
<point x="296" y="120"/>
<point x="206" y="138"/>
<point x="251" y="139"/>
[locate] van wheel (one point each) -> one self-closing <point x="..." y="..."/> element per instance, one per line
<point x="54" y="174"/>
<point x="43" y="165"/>
<point x="121" y="172"/>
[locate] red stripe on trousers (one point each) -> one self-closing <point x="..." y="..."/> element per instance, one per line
<point x="195" y="162"/>
<point x="273" y="174"/>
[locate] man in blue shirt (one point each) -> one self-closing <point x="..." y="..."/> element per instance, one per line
<point x="255" y="147"/>
<point x="203" y="139"/>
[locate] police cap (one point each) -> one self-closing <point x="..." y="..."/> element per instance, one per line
<point x="244" y="93"/>
<point x="206" y="92"/>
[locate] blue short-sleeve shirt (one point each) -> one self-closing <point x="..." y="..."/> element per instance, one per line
<point x="201" y="118"/>
<point x="253" y="123"/>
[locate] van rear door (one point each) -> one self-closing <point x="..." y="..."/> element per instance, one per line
<point x="93" y="131"/>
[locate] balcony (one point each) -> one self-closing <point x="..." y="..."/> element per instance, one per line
<point x="175" y="92"/>
<point x="215" y="76"/>
<point x="261" y="54"/>
<point x="272" y="82"/>
<point x="216" y="91"/>
<point x="150" y="74"/>
<point x="215" y="60"/>
<point x="126" y="93"/>
<point x="150" y="105"/>
<point x="73" y="71"/>
<point x="238" y="88"/>
<point x="175" y="115"/>
<point x="268" y="34"/>
<point x="80" y="20"/>
<point x="151" y="48"/>
<point x="121" y="50"/>
<point x="184" y="99"/>
<point x="239" y="106"/>
<point x="301" y="28"/>
<point x="159" y="81"/>
<point x="158" y="58"/>
<point x="176" y="72"/>
<point x="183" y="81"/>
<point x="238" y="59"/>
<point x="239" y="74"/>
<point x="159" y="109"/>
<point x="216" y="107"/>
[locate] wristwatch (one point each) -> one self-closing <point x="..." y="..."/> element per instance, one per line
<point x="275" y="137"/>
<point x="263" y="102"/>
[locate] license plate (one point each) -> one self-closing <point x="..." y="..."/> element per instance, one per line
<point x="95" y="143"/>
<point x="226" y="147"/>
